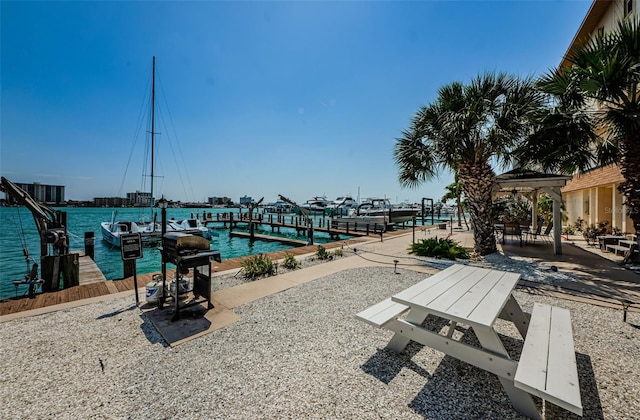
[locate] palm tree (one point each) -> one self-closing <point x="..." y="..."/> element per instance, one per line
<point x="454" y="192"/>
<point x="467" y="129"/>
<point x="598" y="97"/>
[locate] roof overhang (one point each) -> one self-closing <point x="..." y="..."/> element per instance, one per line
<point x="589" y="25"/>
<point x="525" y="181"/>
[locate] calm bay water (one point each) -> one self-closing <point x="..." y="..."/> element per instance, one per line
<point x="17" y="225"/>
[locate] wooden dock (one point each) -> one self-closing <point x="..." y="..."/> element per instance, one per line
<point x="334" y="227"/>
<point x="93" y="283"/>
<point x="89" y="271"/>
<point x="267" y="238"/>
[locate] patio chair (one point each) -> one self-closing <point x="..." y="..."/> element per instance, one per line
<point x="546" y="235"/>
<point x="532" y="234"/>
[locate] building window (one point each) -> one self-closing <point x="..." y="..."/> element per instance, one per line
<point x="628" y="7"/>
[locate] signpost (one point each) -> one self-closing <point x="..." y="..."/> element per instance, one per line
<point x="131" y="249"/>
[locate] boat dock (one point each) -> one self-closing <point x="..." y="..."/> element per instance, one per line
<point x="93" y="284"/>
<point x="89" y="271"/>
<point x="267" y="238"/>
<point x="334" y="227"/>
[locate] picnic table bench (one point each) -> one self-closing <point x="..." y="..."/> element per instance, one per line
<point x="622" y="245"/>
<point x="476" y="297"/>
<point x="606" y="240"/>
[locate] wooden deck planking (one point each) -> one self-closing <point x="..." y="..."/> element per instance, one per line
<point x="73" y="293"/>
<point x="89" y="271"/>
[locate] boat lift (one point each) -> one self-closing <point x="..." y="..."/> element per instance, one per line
<point x="51" y="225"/>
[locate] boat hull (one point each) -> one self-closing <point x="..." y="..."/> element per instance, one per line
<point x="109" y="237"/>
<point x="402" y="215"/>
<point x="112" y="236"/>
<point x="363" y="220"/>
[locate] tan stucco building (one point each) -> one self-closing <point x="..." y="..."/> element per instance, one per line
<point x="593" y="196"/>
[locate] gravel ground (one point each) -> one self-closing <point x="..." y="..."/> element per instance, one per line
<point x="296" y="354"/>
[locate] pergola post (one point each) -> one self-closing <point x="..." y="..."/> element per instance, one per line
<point x="556" y="195"/>
<point x="534" y="210"/>
<point x="557" y="227"/>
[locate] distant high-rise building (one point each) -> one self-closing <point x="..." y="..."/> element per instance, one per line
<point x="110" y="202"/>
<point x="219" y="201"/>
<point x="141" y="199"/>
<point x="246" y="200"/>
<point x="48" y="194"/>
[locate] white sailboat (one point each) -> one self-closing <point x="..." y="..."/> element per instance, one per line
<point x="150" y="232"/>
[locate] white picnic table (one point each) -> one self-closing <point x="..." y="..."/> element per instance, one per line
<point x="476" y="297"/>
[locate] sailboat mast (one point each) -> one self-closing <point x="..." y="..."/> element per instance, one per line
<point x="153" y="121"/>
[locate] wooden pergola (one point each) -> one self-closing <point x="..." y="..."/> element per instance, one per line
<point x="529" y="184"/>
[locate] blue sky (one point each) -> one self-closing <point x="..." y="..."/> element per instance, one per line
<point x="255" y="98"/>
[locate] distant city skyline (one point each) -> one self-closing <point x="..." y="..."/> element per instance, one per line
<point x="255" y="98"/>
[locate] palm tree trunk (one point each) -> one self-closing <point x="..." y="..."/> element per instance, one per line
<point x="477" y="182"/>
<point x="630" y="169"/>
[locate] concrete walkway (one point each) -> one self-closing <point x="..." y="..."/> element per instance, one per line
<point x="602" y="281"/>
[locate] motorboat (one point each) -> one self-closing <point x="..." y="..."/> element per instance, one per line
<point x="279" y="207"/>
<point x="192" y="227"/>
<point x="380" y="210"/>
<point x="150" y="233"/>
<point x="442" y="209"/>
<point x="341" y="206"/>
<point x="316" y="204"/>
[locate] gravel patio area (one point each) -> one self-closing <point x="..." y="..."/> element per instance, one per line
<point x="296" y="354"/>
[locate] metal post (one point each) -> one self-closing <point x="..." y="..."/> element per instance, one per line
<point x="413" y="241"/>
<point x="625" y="308"/>
<point x="135" y="282"/>
<point x="430" y="200"/>
<point x="163" y="230"/>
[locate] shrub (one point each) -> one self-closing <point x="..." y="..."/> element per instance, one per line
<point x="592" y="232"/>
<point x="290" y="262"/>
<point x="322" y="253"/>
<point x="439" y="248"/>
<point x="258" y="265"/>
<point x="337" y="252"/>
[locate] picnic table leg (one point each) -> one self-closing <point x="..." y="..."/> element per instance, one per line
<point x="452" y="328"/>
<point x="514" y="313"/>
<point x="398" y="342"/>
<point x="521" y="400"/>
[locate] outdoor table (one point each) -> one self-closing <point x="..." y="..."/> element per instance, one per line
<point x="471" y="296"/>
<point x="476" y="297"/>
<point x="513" y="229"/>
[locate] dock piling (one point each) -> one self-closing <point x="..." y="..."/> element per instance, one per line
<point x="89" y="244"/>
